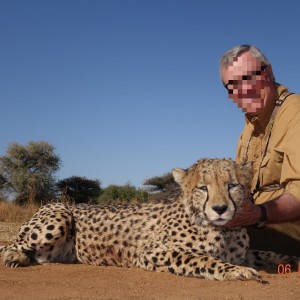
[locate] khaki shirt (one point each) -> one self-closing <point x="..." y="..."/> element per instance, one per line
<point x="281" y="164"/>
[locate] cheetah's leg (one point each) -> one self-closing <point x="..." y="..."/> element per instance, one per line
<point x="258" y="258"/>
<point x="47" y="237"/>
<point x="189" y="264"/>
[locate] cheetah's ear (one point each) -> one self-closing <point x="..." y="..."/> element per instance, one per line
<point x="244" y="174"/>
<point x="178" y="175"/>
<point x="247" y="169"/>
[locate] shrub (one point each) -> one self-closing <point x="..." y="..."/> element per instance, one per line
<point x="122" y="194"/>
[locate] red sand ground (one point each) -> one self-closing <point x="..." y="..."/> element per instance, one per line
<point x="62" y="281"/>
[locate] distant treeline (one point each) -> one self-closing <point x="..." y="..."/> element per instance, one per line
<point x="27" y="176"/>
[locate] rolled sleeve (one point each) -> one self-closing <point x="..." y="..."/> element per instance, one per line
<point x="293" y="188"/>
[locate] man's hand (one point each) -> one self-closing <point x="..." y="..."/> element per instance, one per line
<point x="247" y="215"/>
<point x="284" y="208"/>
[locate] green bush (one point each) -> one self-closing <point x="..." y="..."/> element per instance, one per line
<point x="122" y="194"/>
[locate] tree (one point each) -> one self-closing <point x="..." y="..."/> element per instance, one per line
<point x="162" y="187"/>
<point x="161" y="183"/>
<point x="27" y="172"/>
<point x="80" y="189"/>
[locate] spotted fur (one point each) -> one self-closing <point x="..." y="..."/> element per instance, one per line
<point x="182" y="235"/>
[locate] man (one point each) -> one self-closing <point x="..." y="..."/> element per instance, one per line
<point x="270" y="141"/>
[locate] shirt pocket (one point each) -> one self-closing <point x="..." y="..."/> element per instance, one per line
<point x="270" y="170"/>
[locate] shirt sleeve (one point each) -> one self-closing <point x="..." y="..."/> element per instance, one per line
<point x="290" y="173"/>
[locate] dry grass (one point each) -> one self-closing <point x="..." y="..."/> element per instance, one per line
<point x="11" y="217"/>
<point x="8" y="232"/>
<point x="13" y="213"/>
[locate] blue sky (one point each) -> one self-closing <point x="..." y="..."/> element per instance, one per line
<point x="129" y="89"/>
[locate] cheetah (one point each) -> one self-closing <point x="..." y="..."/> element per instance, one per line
<point x="183" y="235"/>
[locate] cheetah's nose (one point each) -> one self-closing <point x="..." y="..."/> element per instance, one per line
<point x="220" y="209"/>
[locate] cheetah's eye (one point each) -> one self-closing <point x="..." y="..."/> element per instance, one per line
<point x="203" y="188"/>
<point x="232" y="185"/>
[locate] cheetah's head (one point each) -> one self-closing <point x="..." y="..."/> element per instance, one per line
<point x="213" y="189"/>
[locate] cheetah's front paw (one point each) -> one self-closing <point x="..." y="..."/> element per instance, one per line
<point x="14" y="258"/>
<point x="242" y="273"/>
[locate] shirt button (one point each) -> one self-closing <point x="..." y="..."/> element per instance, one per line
<point x="256" y="155"/>
<point x="256" y="134"/>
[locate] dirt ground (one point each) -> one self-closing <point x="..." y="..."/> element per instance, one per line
<point x="65" y="281"/>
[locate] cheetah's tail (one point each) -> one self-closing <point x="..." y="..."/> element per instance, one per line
<point x="258" y="258"/>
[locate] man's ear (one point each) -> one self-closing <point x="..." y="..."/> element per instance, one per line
<point x="269" y="73"/>
<point x="178" y="175"/>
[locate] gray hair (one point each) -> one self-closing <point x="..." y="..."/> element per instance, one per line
<point x="228" y="57"/>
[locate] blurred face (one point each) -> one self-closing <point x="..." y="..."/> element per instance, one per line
<point x="250" y="85"/>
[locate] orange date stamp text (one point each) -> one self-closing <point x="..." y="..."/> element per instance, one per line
<point x="285" y="269"/>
